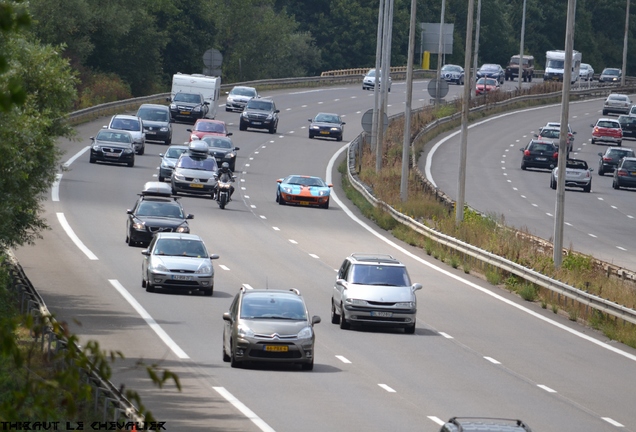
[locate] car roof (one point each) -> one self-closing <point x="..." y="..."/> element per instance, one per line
<point x="126" y="116"/>
<point x="181" y="236"/>
<point x="374" y="259"/>
<point x="155" y="188"/>
<point x="541" y="141"/>
<point x="607" y="119"/>
<point x="155" y="106"/>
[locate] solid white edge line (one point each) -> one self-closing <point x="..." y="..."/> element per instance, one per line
<point x="492" y="360"/>
<point x="387" y="388"/>
<point x="437" y="420"/>
<point x="343" y="359"/>
<point x="612" y="422"/>
<point x="69" y="231"/>
<point x="459" y="278"/>
<point x="546" y="388"/>
<point x="149" y="320"/>
<point x="55" y="188"/>
<point x="245" y="410"/>
<point x="74" y="157"/>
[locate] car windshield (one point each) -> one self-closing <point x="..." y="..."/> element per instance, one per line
<point x="555" y="64"/>
<point x="304" y="181"/>
<point x="613" y="72"/>
<point x="451" y="68"/>
<point x="259" y="105"/>
<point x="174" y="152"/>
<point x="267" y="306"/>
<point x="379" y="275"/>
<point x="487" y="81"/>
<point x="114" y="137"/>
<point x="327" y="118"/>
<point x="187" y="97"/>
<point x="159" y="209"/>
<point x="621" y="98"/>
<point x="125" y="124"/>
<point x="206" y="126"/>
<point x="180" y="247"/>
<point x="218" y="142"/>
<point x="609" y="124"/>
<point x="515" y="60"/>
<point x="151" y="114"/>
<point x="629" y="165"/>
<point x="242" y="91"/>
<point x="489" y="67"/>
<point x="208" y="164"/>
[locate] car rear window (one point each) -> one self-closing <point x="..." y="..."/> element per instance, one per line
<point x="618" y="154"/>
<point x="572" y="164"/>
<point x="609" y="124"/>
<point x="629" y="165"/>
<point x="542" y="147"/>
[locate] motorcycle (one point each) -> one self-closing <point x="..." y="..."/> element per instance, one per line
<point x="224" y="184"/>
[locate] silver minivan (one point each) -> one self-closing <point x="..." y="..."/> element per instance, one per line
<point x="132" y="124"/>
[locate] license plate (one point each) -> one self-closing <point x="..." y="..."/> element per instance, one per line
<point x="303" y="203"/>
<point x="541" y="159"/>
<point x="151" y="133"/>
<point x="324" y="132"/>
<point x="257" y="123"/>
<point x="276" y="348"/>
<point x="382" y="314"/>
<point x="181" y="277"/>
<point x="111" y="154"/>
<point x="196" y="185"/>
<point x="185" y="112"/>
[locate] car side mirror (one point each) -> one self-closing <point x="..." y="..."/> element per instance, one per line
<point x="315" y="319"/>
<point x="129" y="211"/>
<point x="591" y="125"/>
<point x="230" y="134"/>
<point x="416" y="286"/>
<point x="145" y="252"/>
<point x="573" y="132"/>
<point x="344" y="123"/>
<point x="227" y="317"/>
<point x="189" y="216"/>
<point x="104" y="127"/>
<point x="189" y="130"/>
<point x="277" y="111"/>
<point x="160" y="154"/>
<point x="236" y="148"/>
<point x="206" y="103"/>
<point x="214" y="256"/>
<point x="171" y="120"/>
<point x="591" y="169"/>
<point x="536" y="135"/>
<point x="92" y="138"/>
<point x="310" y="120"/>
<point x="169" y="99"/>
<point x="341" y="282"/>
<point x="600" y="154"/>
<point x="522" y="149"/>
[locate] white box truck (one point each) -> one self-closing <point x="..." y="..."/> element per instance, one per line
<point x="554" y="62"/>
<point x="208" y="86"/>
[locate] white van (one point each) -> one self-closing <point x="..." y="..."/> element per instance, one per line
<point x="208" y="86"/>
<point x="554" y="62"/>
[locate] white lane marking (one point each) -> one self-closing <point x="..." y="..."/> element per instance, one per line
<point x="247" y="164"/>
<point x="149" y="320"/>
<point x="314" y="256"/>
<point x="246" y="196"/>
<point x="621" y="248"/>
<point x="535" y="205"/>
<point x="263" y="217"/>
<point x="251" y="158"/>
<point x="224" y="267"/>
<point x="523" y="196"/>
<point x="69" y="232"/>
<point x="550" y="214"/>
<point x="342" y="359"/>
<point x="437" y="420"/>
<point x="75" y="156"/>
<point x="600" y="199"/>
<point x="55" y="189"/>
<point x="614" y="207"/>
<point x="446" y="335"/>
<point x="492" y="360"/>
<point x="567" y="223"/>
<point x="293" y="241"/>
<point x="546" y="388"/>
<point x="630" y="216"/>
<point x="592" y="235"/>
<point x="276" y="228"/>
<point x="458" y="278"/>
<point x="387" y="388"/>
<point x="252" y="206"/>
<point x="612" y="422"/>
<point x="245" y="410"/>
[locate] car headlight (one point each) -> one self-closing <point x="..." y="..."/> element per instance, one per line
<point x="183" y="229"/>
<point x="173" y="106"/>
<point x="164" y="129"/>
<point x="407" y="305"/>
<point x="244" y="114"/>
<point x="305" y="333"/>
<point x="230" y="99"/>
<point x="96" y="148"/>
<point x="322" y="192"/>
<point x="179" y="177"/>
<point x="356" y="302"/>
<point x="270" y="116"/>
<point x="138" y="225"/>
<point x="165" y="164"/>
<point x="230" y="156"/>
<point x="204" y="269"/>
<point x="245" y="331"/>
<point x="193" y="137"/>
<point x="196" y="109"/>
<point x="128" y="151"/>
<point x="287" y="189"/>
<point x="313" y="127"/>
<point x="335" y="129"/>
<point x="158" y="266"/>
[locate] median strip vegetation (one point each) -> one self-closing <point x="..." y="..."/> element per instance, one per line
<point x="488" y="232"/>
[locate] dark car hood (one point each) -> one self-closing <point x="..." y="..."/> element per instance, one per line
<point x="202" y="174"/>
<point x="111" y="144"/>
<point x="187" y="104"/>
<point x="219" y="151"/>
<point x="325" y="124"/>
<point x="161" y="221"/>
<point x="282" y="327"/>
<point x="156" y="124"/>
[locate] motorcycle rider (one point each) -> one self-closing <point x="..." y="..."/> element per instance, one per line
<point x="224" y="170"/>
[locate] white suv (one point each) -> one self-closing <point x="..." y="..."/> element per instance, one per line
<point x="368" y="82"/>
<point x="374" y="290"/>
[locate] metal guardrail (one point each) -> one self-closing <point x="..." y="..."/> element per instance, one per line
<point x="532" y="276"/>
<point x="108" y="400"/>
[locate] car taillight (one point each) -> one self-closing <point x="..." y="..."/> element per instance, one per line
<point x="526" y="153"/>
<point x="555" y="155"/>
<point x="621" y="173"/>
<point x="607" y="159"/>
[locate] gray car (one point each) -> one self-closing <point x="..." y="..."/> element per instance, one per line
<point x="157" y="122"/>
<point x="268" y="325"/>
<point x="368" y="82"/>
<point x="617" y="103"/>
<point x="132" y="124"/>
<point x="237" y="97"/>
<point x="177" y="261"/>
<point x="195" y="171"/>
<point x="374" y="290"/>
<point x="169" y="159"/>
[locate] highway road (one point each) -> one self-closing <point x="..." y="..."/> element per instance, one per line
<point x="600" y="223"/>
<point x="477" y="350"/>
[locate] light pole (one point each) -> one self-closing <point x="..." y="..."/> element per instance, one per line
<point x="406" y="143"/>
<point x="439" y="53"/>
<point x="523" y="32"/>
<point x="476" y="54"/>
<point x="624" y="70"/>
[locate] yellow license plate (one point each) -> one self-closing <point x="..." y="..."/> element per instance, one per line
<point x="324" y="132"/>
<point x="197" y="185"/>
<point x="303" y="203"/>
<point x="185" y="112"/>
<point x="276" y="348"/>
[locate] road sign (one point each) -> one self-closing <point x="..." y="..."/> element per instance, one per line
<point x="432" y="88"/>
<point x="213" y="58"/>
<point x="367" y="121"/>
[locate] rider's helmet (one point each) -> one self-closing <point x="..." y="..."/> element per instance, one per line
<point x="225" y="165"/>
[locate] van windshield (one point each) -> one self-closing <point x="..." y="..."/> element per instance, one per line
<point x="555" y="64"/>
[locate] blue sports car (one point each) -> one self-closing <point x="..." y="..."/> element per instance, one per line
<point x="303" y="190"/>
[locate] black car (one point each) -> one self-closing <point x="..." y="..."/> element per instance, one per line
<point x="326" y="125"/>
<point x="157" y="122"/>
<point x="628" y="124"/>
<point x="188" y="106"/>
<point x="155" y="211"/>
<point x="625" y="173"/>
<point x="222" y="149"/>
<point x="492" y="71"/>
<point x="260" y="114"/>
<point x="540" y="154"/>
<point x="115" y="146"/>
<point x="609" y="160"/>
<point x="195" y="171"/>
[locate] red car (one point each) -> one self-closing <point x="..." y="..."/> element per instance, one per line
<point x="204" y="127"/>
<point x="607" y="130"/>
<point x="486" y="85"/>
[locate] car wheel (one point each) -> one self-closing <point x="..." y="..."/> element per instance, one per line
<point x="92" y="160"/>
<point x="310" y="135"/>
<point x="150" y="287"/>
<point x="344" y="324"/>
<point x="604" y="112"/>
<point x="131" y="163"/>
<point x="552" y="183"/>
<point x="161" y="178"/>
<point x="601" y="172"/>
<point x="142" y="150"/>
<point x="325" y="205"/>
<point x="615" y="185"/>
<point x="226" y="358"/>
<point x="233" y="166"/>
<point x="280" y="199"/>
<point x="410" y="329"/>
<point x="308" y="366"/>
<point x="335" y="318"/>
<point x="208" y="292"/>
<point x="620" y="143"/>
<point x="523" y="165"/>
<point x="593" y="141"/>
<point x="242" y="127"/>
<point x="339" y="138"/>
<point x="233" y="362"/>
<point x="168" y="141"/>
<point x="588" y="188"/>
<point x="143" y="282"/>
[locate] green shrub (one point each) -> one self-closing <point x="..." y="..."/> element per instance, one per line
<point x="528" y="292"/>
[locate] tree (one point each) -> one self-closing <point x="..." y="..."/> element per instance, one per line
<point x="13" y="18"/>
